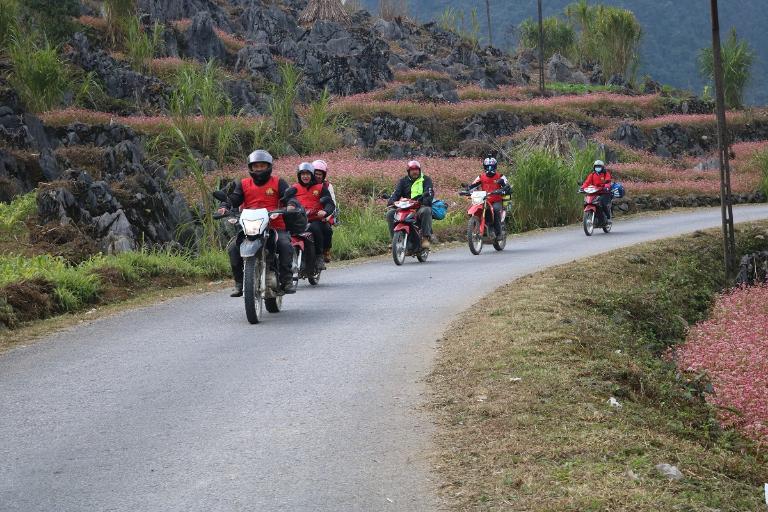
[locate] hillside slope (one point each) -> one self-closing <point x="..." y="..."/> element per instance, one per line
<point x="675" y="30"/>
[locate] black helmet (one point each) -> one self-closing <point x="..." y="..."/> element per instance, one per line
<point x="260" y="155"/>
<point x="489" y="164"/>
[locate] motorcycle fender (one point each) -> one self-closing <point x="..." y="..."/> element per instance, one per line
<point x="475" y="209"/>
<point x="403" y="227"/>
<point x="250" y="247"/>
<point x="297" y="243"/>
<point x="590" y="208"/>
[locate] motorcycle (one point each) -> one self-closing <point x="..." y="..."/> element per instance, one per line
<point x="406" y="240"/>
<point x="261" y="285"/>
<point x="478" y="230"/>
<point x="300" y="268"/>
<point x="594" y="217"/>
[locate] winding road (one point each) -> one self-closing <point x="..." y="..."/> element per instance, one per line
<point x="184" y="406"/>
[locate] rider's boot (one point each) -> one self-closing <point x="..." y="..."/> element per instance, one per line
<point x="319" y="263"/>
<point x="327" y="255"/>
<point x="289" y="286"/>
<point x="238" y="291"/>
<point x="425" y="243"/>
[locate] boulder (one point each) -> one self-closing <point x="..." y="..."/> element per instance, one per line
<point x="426" y="89"/>
<point x="630" y="135"/>
<point x="170" y="10"/>
<point x="201" y="42"/>
<point x="390" y="128"/>
<point x="256" y="60"/>
<point x="120" y="81"/>
<point x="489" y="125"/>
<point x="559" y="69"/>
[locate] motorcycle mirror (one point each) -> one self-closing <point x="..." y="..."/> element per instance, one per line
<point x="220" y="195"/>
<point x="384" y="195"/>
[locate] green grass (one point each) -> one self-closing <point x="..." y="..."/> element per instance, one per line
<point x="363" y="232"/>
<point x="73" y="287"/>
<point x="40" y="76"/>
<point x="141" y="46"/>
<point x="523" y="379"/>
<point x="9" y="14"/>
<point x="760" y="160"/>
<point x="565" y="88"/>
<point x="322" y="130"/>
<point x="13" y="214"/>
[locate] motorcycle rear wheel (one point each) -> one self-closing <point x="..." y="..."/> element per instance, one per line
<point x="398" y="247"/>
<point x="274" y="305"/>
<point x="296" y="265"/>
<point x="499" y="245"/>
<point x="607" y="227"/>
<point x="474" y="236"/>
<point x="423" y="255"/>
<point x="314" y="279"/>
<point x="589" y="223"/>
<point x="253" y="291"/>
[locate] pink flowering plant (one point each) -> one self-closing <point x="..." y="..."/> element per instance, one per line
<point x="731" y="348"/>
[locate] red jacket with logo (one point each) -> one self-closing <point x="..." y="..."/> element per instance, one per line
<point x="264" y="196"/>
<point x="491" y="184"/>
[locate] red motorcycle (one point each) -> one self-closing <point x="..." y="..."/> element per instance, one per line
<point x="478" y="230"/>
<point x="406" y="240"/>
<point x="301" y="270"/>
<point x="594" y="216"/>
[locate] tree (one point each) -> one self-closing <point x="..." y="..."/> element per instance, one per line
<point x="331" y="10"/>
<point x="581" y="15"/>
<point x="559" y="36"/>
<point x="738" y="58"/>
<point x="616" y="43"/>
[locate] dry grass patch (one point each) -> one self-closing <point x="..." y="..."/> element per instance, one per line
<point x="523" y="380"/>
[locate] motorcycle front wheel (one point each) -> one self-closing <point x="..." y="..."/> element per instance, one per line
<point x="589" y="223"/>
<point x="499" y="245"/>
<point x="474" y="236"/>
<point x="274" y="304"/>
<point x="253" y="288"/>
<point x="398" y="247"/>
<point x="423" y="255"/>
<point x="314" y="279"/>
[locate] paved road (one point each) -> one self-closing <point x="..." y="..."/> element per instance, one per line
<point x="183" y="406"/>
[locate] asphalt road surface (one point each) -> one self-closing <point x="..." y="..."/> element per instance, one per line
<point x="184" y="406"/>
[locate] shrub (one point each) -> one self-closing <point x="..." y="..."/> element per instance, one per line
<point x="13" y="214"/>
<point x="544" y="191"/>
<point x="39" y="74"/>
<point x="559" y="36"/>
<point x="616" y="42"/>
<point x="738" y="58"/>
<point x="54" y="17"/>
<point x="363" y="232"/>
<point x="9" y="14"/>
<point x="321" y="132"/>
<point x="141" y="46"/>
<point x="760" y="160"/>
<point x="452" y="20"/>
<point x="117" y="14"/>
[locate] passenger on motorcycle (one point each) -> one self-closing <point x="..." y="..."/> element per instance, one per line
<point x="415" y="185"/>
<point x="321" y="175"/>
<point x="600" y="177"/>
<point x="491" y="181"/>
<point x="261" y="190"/>
<point x="316" y="199"/>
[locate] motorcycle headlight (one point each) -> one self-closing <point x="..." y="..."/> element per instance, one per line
<point x="252" y="227"/>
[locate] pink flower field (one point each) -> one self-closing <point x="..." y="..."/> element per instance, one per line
<point x="732" y="348"/>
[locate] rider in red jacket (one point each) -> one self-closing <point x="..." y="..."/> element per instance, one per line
<point x="491" y="181"/>
<point x="315" y="198"/>
<point x="601" y="178"/>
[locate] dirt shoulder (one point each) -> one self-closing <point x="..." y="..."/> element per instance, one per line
<point x="523" y="381"/>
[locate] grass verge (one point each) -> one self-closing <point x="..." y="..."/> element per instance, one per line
<point x="522" y="384"/>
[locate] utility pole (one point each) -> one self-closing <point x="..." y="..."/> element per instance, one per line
<point x="541" y="51"/>
<point x="729" y="243"/>
<point x="488" y="15"/>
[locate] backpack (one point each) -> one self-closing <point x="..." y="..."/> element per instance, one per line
<point x="439" y="209"/>
<point x="617" y="189"/>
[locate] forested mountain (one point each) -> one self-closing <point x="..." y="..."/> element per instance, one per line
<point x="674" y="31"/>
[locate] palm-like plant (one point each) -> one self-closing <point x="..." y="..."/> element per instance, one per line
<point x="617" y="40"/>
<point x="738" y="58"/>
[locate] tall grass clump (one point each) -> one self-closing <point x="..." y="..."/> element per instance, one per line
<point x="322" y="128"/>
<point x="760" y="160"/>
<point x="559" y="36"/>
<point x="9" y="14"/>
<point x="40" y="76"/>
<point x="13" y="214"/>
<point x="364" y="232"/>
<point x="453" y="20"/>
<point x="738" y="58"/>
<point x="544" y="191"/>
<point x="141" y="45"/>
<point x="117" y="13"/>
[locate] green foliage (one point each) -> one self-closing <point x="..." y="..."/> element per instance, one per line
<point x="559" y="36"/>
<point x="363" y="232"/>
<point x="544" y="188"/>
<point x="453" y="20"/>
<point x="322" y="130"/>
<point x="40" y="76"/>
<point x="13" y="214"/>
<point x="140" y="45"/>
<point x="565" y="88"/>
<point x="283" y="102"/>
<point x="617" y="35"/>
<point x="738" y="58"/>
<point x="53" y="17"/>
<point x="118" y="14"/>
<point x="9" y="14"/>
